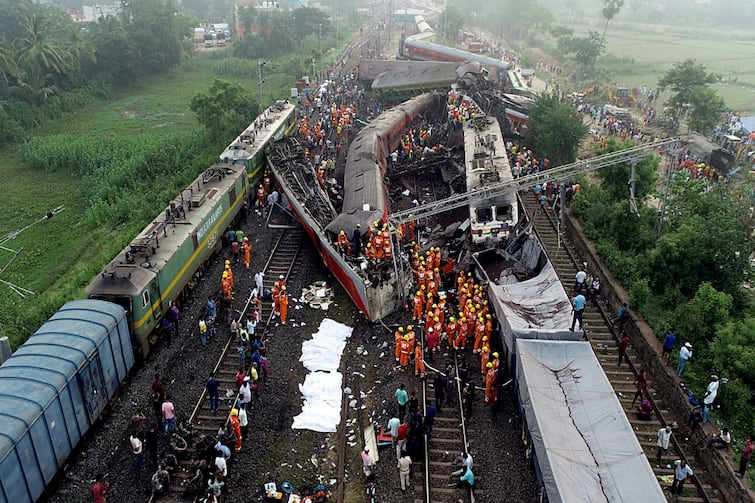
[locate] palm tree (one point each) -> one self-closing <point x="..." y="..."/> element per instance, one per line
<point x="36" y="54"/>
<point x="8" y="68"/>
<point x="81" y="49"/>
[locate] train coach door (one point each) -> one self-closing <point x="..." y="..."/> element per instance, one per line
<point x="92" y="386"/>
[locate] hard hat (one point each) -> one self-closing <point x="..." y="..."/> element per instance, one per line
<point x="429" y="295"/>
<point x="225" y="274"/>
<point x="436" y="269"/>
<point x="487" y="316"/>
<point x="489" y="365"/>
<point x="283" y="288"/>
<point x="359" y="226"/>
<point x="246" y="238"/>
<point x="276" y="284"/>
<point x="227" y="262"/>
<point x="436" y="319"/>
<point x="406" y="337"/>
<point x="414" y="243"/>
<point x="452" y="318"/>
<point x="410" y="327"/>
<point x="430" y="330"/>
<point x="484" y="338"/>
<point x="375" y="224"/>
<point x="369" y="244"/>
<point x="435" y="306"/>
<point x="400" y="329"/>
<point x="419" y="293"/>
<point x="495" y="355"/>
<point x="423" y="287"/>
<point x="343" y="232"/>
<point x="485" y="349"/>
<point x="411" y="215"/>
<point x="234" y="412"/>
<point x="463" y="320"/>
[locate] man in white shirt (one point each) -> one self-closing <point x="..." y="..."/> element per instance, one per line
<point x="136" y="447"/>
<point x="664" y="437"/>
<point x="404" y="466"/>
<point x="580" y="278"/>
<point x="710" y="396"/>
<point x="221" y="468"/>
<point x="684" y="356"/>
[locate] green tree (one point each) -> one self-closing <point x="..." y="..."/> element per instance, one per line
<point x="451" y="21"/>
<point x="732" y="353"/>
<point x="586" y="50"/>
<point x="225" y="108"/>
<point x="707" y="107"/>
<point x="609" y="11"/>
<point x="698" y="320"/>
<point x="37" y="55"/>
<point x="555" y="128"/>
<point x="689" y="83"/>
<point x="615" y="179"/>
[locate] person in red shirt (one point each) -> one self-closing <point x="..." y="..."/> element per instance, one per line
<point x="746" y="456"/>
<point x="641" y="381"/>
<point x="100" y="489"/>
<point x="623" y="345"/>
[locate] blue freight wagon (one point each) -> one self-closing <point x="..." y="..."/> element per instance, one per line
<point x="54" y="388"/>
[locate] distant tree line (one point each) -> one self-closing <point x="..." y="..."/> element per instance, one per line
<point x="50" y="65"/>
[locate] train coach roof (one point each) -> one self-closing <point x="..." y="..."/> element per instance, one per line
<point x="585" y="446"/>
<point x="441" y="75"/>
<point x="35" y="374"/>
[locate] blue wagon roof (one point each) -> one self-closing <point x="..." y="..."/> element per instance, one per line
<point x="32" y="378"/>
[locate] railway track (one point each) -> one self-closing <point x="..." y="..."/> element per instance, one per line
<point x="604" y="341"/>
<point x="449" y="438"/>
<point x="280" y="262"/>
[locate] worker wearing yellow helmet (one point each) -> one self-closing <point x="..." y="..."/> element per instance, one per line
<point x="484" y="359"/>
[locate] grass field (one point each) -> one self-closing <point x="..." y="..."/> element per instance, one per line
<point x="656" y="48"/>
<point x="59" y="256"/>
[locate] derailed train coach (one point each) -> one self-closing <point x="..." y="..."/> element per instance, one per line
<point x="54" y="388"/>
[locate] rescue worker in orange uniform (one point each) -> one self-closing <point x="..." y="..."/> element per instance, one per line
<point x="410" y="224"/>
<point x="484" y="359"/>
<point x="479" y="333"/>
<point x="419" y="306"/>
<point x="450" y="334"/>
<point x="441" y="312"/>
<point x="398" y="336"/>
<point x="387" y="246"/>
<point x="236" y="426"/>
<point x="421" y="276"/>
<point x="490" y="378"/>
<point x="461" y="334"/>
<point x="343" y="243"/>
<point x="276" y="298"/>
<point x="495" y="360"/>
<point x="246" y="249"/>
<point x="430" y="316"/>
<point x="404" y="351"/>
<point x="225" y="286"/>
<point x="412" y="337"/>
<point x="419" y="362"/>
<point x="377" y="244"/>
<point x="283" y="304"/>
<point x="369" y="252"/>
<point x="229" y="271"/>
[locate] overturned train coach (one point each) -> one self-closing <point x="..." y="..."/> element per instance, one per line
<point x="54" y="388"/>
<point x="168" y="256"/>
<point x="375" y="291"/>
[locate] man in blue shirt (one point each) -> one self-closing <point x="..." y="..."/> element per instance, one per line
<point x="668" y="345"/>
<point x="213" y="391"/>
<point x="578" y="303"/>
<point x="467" y="480"/>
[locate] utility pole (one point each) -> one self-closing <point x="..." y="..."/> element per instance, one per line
<point x="260" y="64"/>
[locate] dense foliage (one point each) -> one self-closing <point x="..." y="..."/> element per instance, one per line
<point x="275" y="33"/>
<point x="689" y="82"/>
<point x="226" y="108"/>
<point x="50" y="65"/>
<point x="689" y="278"/>
<point x="555" y="128"/>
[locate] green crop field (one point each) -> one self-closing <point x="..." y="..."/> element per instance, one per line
<point x="654" y="49"/>
<point x="58" y="257"/>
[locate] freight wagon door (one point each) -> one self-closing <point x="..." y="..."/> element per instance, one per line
<point x="92" y="387"/>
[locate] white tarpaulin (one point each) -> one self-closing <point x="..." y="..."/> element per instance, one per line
<point x="585" y="446"/>
<point x="321" y="391"/>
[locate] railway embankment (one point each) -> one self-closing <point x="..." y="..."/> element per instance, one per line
<point x="720" y="464"/>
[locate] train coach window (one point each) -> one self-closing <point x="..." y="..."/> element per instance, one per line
<point x="145" y="298"/>
<point x="484" y="214"/>
<point x="503" y="213"/>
